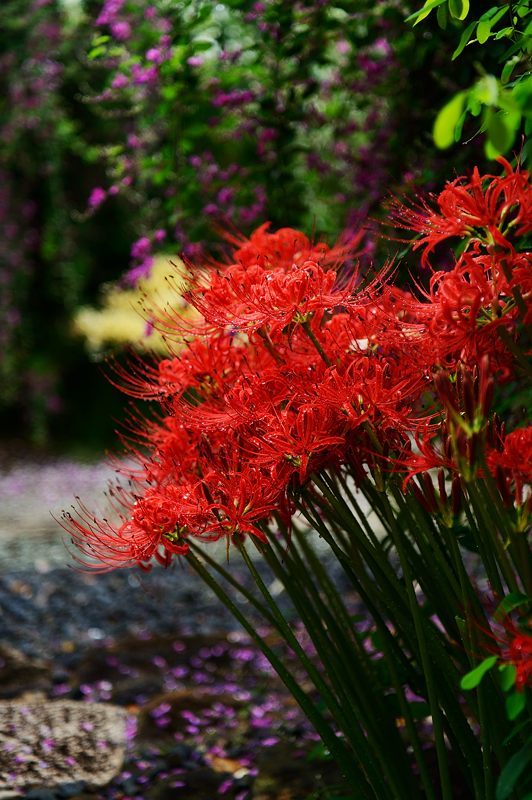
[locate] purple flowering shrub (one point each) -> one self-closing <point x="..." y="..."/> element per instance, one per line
<point x="129" y="128"/>
<point x="244" y="112"/>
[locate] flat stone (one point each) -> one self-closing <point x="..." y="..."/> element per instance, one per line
<point x="53" y="743"/>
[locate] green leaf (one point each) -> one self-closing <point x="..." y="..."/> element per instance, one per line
<point x="483" y="31"/>
<point x="464" y="40"/>
<point x="504" y="33"/>
<point x="508" y="69"/>
<point x="96" y="52"/>
<point x="441" y="16"/>
<point x="446" y="121"/>
<point x="473" y="678"/>
<point x="490" y="151"/>
<point x="423" y="12"/>
<point x="515" y="703"/>
<point x="500" y="134"/>
<point x="522" y="94"/>
<point x="486" y="90"/>
<point x="512" y="772"/>
<point x="507" y="676"/>
<point x="509" y="603"/>
<point x="459" y="9"/>
<point x="459" y="125"/>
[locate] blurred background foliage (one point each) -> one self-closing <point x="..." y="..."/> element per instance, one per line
<point x="132" y="128"/>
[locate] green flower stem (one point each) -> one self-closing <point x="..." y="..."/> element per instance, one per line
<point x="410" y="724"/>
<point x="263" y="610"/>
<point x="437" y="717"/>
<point x="361" y="517"/>
<point x="355" y="777"/>
<point x="374" y="556"/>
<point x="360" y="675"/>
<point x="353" y="692"/>
<point x="480" y="501"/>
<point x="486" y="554"/>
<point x="517" y="547"/>
<point x="393" y="597"/>
<point x="366" y="588"/>
<point x="467" y="749"/>
<point x="439" y="585"/>
<point x="385" y="639"/>
<point x="306" y="326"/>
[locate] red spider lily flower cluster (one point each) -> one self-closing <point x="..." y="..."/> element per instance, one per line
<point x="298" y="364"/>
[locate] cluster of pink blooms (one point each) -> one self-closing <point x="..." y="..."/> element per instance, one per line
<point x="297" y="364"/>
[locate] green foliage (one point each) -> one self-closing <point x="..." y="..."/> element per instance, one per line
<point x="473" y="678"/>
<point x="500" y="104"/>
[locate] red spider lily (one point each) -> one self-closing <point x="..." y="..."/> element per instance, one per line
<point x="467" y="309"/>
<point x="299" y="438"/>
<point x="239" y="501"/>
<point x="287" y="247"/>
<point x="490" y="208"/>
<point x="106" y="546"/>
<point x="292" y="370"/>
<point x="254" y="298"/>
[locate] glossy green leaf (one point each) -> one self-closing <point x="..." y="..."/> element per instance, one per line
<point x="446" y="121"/>
<point x="441" y="16"/>
<point x="483" y="31"/>
<point x="473" y="678"/>
<point x="515" y="703"/>
<point x="513" y="771"/>
<point x="459" y="9"/>
<point x="464" y="40"/>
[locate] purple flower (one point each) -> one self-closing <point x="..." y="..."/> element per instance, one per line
<point x="97" y="196"/>
<point x="120" y="81"/>
<point x="121" y="30"/>
<point x="141" y="248"/>
<point x="154" y="55"/>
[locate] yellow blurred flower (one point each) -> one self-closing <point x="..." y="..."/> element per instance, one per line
<point x="126" y="314"/>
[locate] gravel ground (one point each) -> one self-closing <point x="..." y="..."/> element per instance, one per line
<point x="147" y="641"/>
<point x="45" y="601"/>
